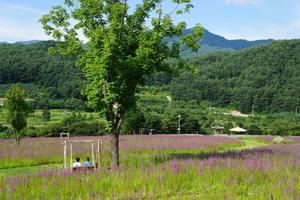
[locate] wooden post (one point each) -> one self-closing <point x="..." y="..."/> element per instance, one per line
<point x="93" y="157"/>
<point x="71" y="154"/>
<point x="65" y="155"/>
<point x="98" y="153"/>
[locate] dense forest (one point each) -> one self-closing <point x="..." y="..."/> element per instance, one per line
<point x="264" y="78"/>
<point x="32" y="65"/>
<point x="53" y="81"/>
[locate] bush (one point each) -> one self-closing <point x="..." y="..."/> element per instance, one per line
<point x="253" y="129"/>
<point x="53" y="130"/>
<point x="134" y="122"/>
<point x="75" y="104"/>
<point x="153" y="121"/>
<point x="46" y="115"/>
<point x="84" y="128"/>
<point x="70" y="119"/>
<point x="3" y="128"/>
<point x="191" y="125"/>
<point x="76" y="129"/>
<point x="227" y="128"/>
<point x="34" y="132"/>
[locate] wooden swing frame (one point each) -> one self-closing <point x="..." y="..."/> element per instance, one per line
<point x="70" y="143"/>
<point x="64" y="135"/>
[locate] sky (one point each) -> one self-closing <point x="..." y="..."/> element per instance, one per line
<point x="233" y="19"/>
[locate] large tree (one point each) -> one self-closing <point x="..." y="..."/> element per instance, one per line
<point x="123" y="46"/>
<point x="17" y="110"/>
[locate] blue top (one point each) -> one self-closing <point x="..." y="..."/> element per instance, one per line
<point x="87" y="164"/>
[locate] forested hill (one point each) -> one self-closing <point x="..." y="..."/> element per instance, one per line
<point x="266" y="78"/>
<point x="214" y="40"/>
<point x="212" y="43"/>
<point x="32" y="65"/>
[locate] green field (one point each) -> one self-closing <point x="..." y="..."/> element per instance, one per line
<point x="57" y="115"/>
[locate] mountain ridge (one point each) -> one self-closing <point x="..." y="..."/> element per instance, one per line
<point x="210" y="42"/>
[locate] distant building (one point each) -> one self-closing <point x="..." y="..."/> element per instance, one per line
<point x="217" y="130"/>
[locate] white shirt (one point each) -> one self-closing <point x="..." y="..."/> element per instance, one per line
<point x="76" y="164"/>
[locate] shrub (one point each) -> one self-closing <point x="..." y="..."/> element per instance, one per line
<point x="46" y="115"/>
<point x="84" y="128"/>
<point x="253" y="129"/>
<point x="134" y="121"/>
<point x="3" y="128"/>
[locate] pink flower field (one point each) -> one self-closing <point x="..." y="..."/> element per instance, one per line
<point x="192" y="167"/>
<point x="43" y="147"/>
<point x="37" y="151"/>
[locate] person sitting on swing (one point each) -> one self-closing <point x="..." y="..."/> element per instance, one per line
<point x="76" y="164"/>
<point x="87" y="163"/>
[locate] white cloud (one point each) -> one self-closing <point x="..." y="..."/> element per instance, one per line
<point x="12" y="31"/>
<point x="22" y="8"/>
<point x="242" y="2"/>
<point x="271" y="31"/>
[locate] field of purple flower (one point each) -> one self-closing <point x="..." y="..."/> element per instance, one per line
<point x="41" y="151"/>
<point x="185" y="167"/>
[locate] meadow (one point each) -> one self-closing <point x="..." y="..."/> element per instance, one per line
<point x="155" y="167"/>
<point x="57" y="115"/>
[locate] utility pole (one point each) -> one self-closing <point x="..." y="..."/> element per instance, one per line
<point x="179" y="124"/>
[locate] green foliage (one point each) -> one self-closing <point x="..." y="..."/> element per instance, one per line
<point x="77" y="128"/>
<point x="253" y="129"/>
<point x="264" y="78"/>
<point x="70" y="119"/>
<point x="46" y="115"/>
<point x="17" y="110"/>
<point x="3" y="128"/>
<point x="134" y="122"/>
<point x="39" y="72"/>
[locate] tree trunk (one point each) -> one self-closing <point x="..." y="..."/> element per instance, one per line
<point x="115" y="148"/>
<point x="16" y="137"/>
<point x="116" y="119"/>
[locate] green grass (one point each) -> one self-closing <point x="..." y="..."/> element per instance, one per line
<point x="250" y="143"/>
<point x="25" y="170"/>
<point x="57" y="115"/>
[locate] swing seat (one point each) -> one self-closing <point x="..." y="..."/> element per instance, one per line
<point x="82" y="168"/>
<point x="91" y="168"/>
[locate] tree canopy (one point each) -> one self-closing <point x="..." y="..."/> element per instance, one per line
<point x="17" y="110"/>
